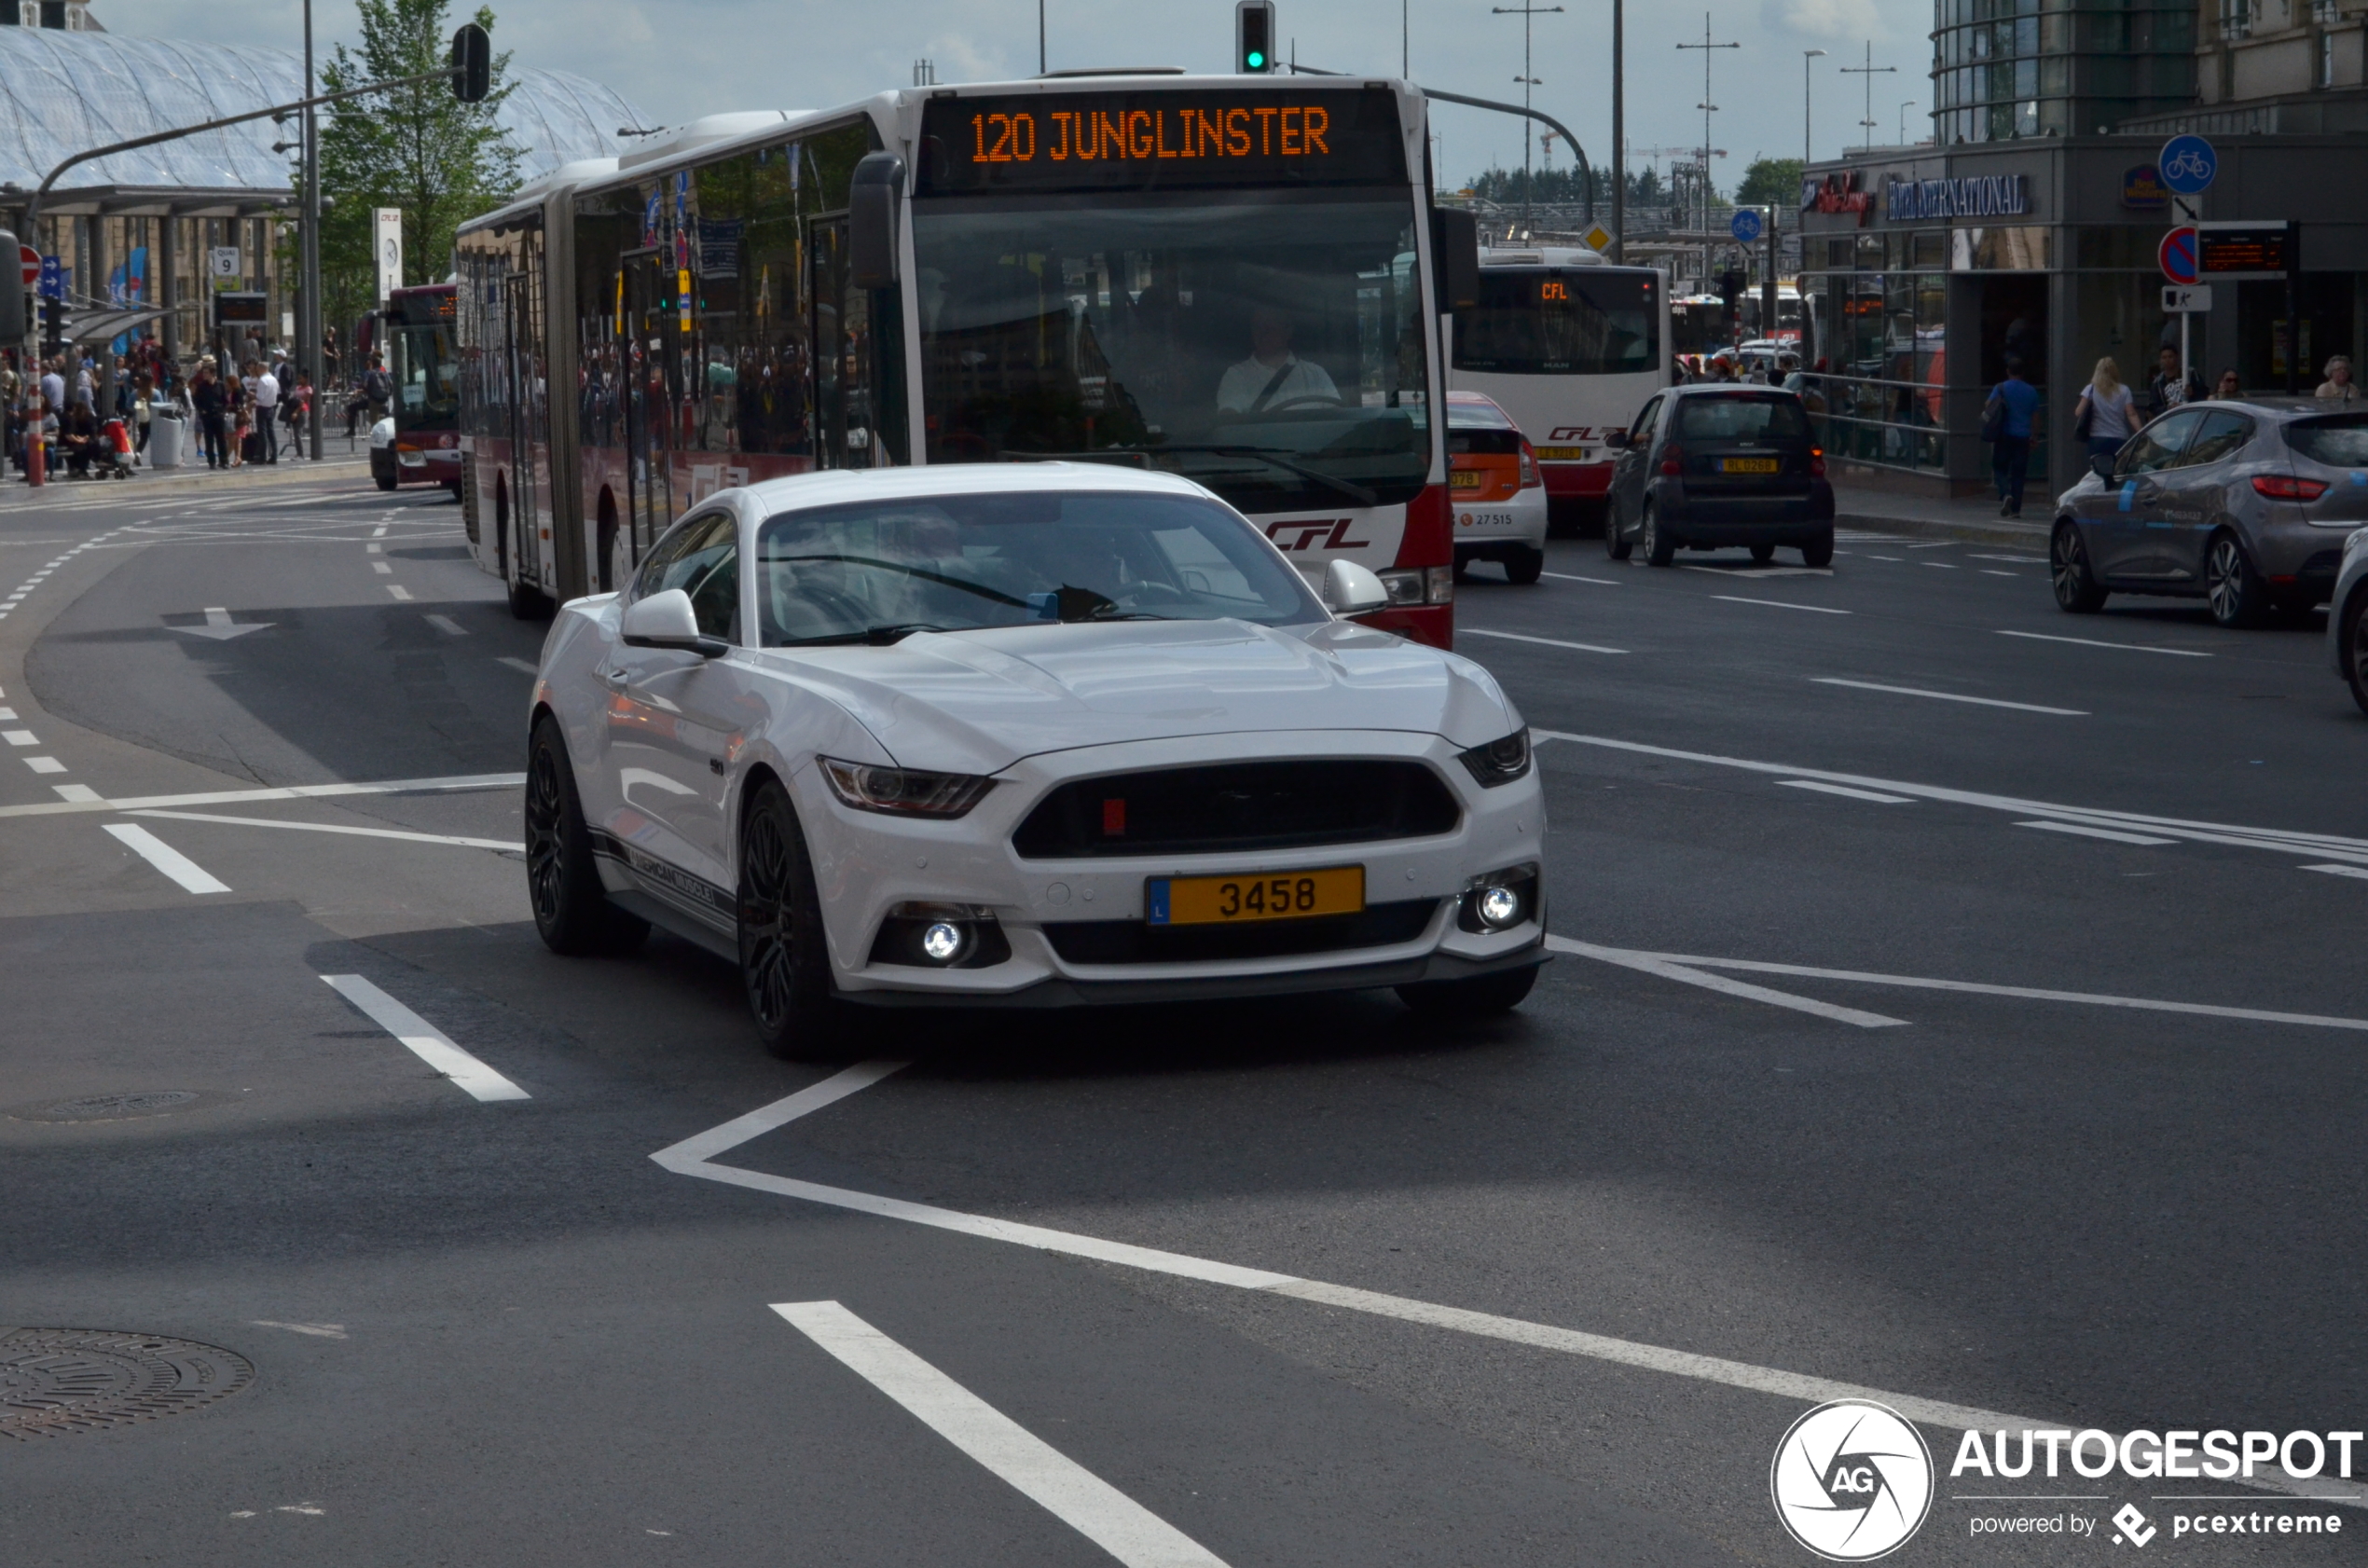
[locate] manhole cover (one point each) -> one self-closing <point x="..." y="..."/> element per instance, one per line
<point x="110" y="1107"/>
<point x="56" y="1381"/>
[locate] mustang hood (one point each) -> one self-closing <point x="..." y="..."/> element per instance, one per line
<point x="977" y="702"/>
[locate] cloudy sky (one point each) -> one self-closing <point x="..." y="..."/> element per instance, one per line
<point x="678" y="59"/>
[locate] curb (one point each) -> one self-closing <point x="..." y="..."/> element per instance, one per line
<point x="149" y="481"/>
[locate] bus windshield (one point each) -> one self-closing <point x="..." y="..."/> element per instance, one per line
<point x="1271" y="353"/>
<point x="1551" y="321"/>
<point x="426" y="375"/>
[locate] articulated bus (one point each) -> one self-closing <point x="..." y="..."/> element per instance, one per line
<point x="1571" y="347"/>
<point x="420" y="355"/>
<point x="1232" y="279"/>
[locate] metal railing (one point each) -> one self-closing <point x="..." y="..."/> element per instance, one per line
<point x="1898" y="424"/>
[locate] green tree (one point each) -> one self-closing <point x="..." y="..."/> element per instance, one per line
<point x="1770" y="182"/>
<point x="417" y="148"/>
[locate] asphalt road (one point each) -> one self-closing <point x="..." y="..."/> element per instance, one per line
<point x="497" y="1331"/>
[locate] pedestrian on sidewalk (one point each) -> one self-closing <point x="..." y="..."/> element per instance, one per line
<point x="2337" y="387"/>
<point x="2228" y="387"/>
<point x="212" y="403"/>
<point x="267" y="415"/>
<point x="378" y="387"/>
<point x="2170" y="386"/>
<point x="2012" y="403"/>
<point x="2104" y="418"/>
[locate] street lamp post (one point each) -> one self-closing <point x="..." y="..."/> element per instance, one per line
<point x="1527" y="81"/>
<point x="1806" y="140"/>
<point x="1708" y="109"/>
<point x="1903" y="119"/>
<point x="308" y="311"/>
<point x="1869" y="70"/>
<point x="1620" y="134"/>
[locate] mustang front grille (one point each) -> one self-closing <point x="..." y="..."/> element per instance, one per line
<point x="1236" y="807"/>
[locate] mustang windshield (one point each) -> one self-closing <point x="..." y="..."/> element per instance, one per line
<point x="1272" y="353"/>
<point x="875" y="571"/>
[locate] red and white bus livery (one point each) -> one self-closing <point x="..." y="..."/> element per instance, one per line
<point x="1570" y="347"/>
<point x="1232" y="279"/>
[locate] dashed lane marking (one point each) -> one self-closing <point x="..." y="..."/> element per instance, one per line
<point x="2360" y="871"/>
<point x="75" y="792"/>
<point x="2011" y="560"/>
<point x="19" y="737"/>
<point x="424" y="1040"/>
<point x="2082" y="830"/>
<point x="192" y="876"/>
<point x="1945" y="696"/>
<point x="45" y="764"/>
<point x="695" y="1157"/>
<point x="1848" y="792"/>
<point x="287" y="792"/>
<point x="1544" y="642"/>
<point x="446" y="624"/>
<point x="1040" y="1472"/>
<point x="2094" y="642"/>
<point x="1779" y="604"/>
<point x="526" y="668"/>
<point x="400" y="592"/>
<point x="1573" y="577"/>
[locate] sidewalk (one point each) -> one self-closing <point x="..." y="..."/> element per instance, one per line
<point x="15" y="495"/>
<point x="1973" y="518"/>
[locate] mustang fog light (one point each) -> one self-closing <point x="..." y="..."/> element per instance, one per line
<point x="1498" y="900"/>
<point x="941" y="936"/>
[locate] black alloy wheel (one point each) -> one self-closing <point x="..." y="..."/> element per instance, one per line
<point x="1660" y="549"/>
<point x="2235" y="590"/>
<point x="2354" y="645"/>
<point x="571" y="911"/>
<point x="2077" y="589"/>
<point x="783" y="965"/>
<point x="1616" y="544"/>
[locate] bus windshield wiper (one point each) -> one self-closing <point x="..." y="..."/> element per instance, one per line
<point x="1348" y="487"/>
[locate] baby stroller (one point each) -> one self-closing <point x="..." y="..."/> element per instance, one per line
<point x="112" y="458"/>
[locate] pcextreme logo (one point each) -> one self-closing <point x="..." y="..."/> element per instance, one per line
<point x="1852" y="1481"/>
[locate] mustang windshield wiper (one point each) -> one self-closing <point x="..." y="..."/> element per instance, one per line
<point x="878" y="637"/>
<point x="1348" y="487"/>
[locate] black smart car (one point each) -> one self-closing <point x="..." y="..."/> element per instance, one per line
<point x="1720" y="464"/>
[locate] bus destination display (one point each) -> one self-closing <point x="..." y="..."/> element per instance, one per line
<point x="1103" y="141"/>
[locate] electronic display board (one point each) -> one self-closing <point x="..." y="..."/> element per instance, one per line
<point x="1133" y="139"/>
<point x="2258" y="249"/>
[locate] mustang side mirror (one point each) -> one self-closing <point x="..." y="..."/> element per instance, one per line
<point x="1351" y="589"/>
<point x="665" y="621"/>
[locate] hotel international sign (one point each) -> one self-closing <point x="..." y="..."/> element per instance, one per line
<point x="1980" y="196"/>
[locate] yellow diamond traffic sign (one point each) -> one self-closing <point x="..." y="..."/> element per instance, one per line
<point x="1597" y="238"/>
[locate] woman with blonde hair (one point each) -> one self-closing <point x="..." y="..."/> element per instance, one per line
<point x="2106" y="418"/>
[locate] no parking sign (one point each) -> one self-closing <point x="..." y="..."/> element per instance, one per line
<point x="2177" y="256"/>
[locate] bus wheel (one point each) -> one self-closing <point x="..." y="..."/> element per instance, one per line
<point x="526" y="604"/>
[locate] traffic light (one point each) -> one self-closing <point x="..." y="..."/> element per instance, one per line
<point x="1254" y="37"/>
<point x="1730" y="290"/>
<point x="472" y="64"/>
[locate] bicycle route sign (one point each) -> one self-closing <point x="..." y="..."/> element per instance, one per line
<point x="2188" y="164"/>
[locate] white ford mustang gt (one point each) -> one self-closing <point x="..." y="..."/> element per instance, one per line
<point x="1036" y="734"/>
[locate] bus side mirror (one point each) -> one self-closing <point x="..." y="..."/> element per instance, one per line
<point x="1455" y="258"/>
<point x="874" y="199"/>
<point x="12" y="301"/>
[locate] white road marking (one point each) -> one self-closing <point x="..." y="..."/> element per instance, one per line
<point x="1943" y="544"/>
<point x="8" y="715"/>
<point x="423" y="1040"/>
<point x="339" y="828"/>
<point x="318" y="1330"/>
<point x="1993" y="571"/>
<point x="289" y="793"/>
<point x="1547" y="641"/>
<point x="2022" y="993"/>
<point x="378" y="532"/>
<point x="1945" y="566"/>
<point x="2084" y="831"/>
<point x="1036" y="1470"/>
<point x="45" y="764"/>
<point x="2093" y="642"/>
<point x="1845" y="789"/>
<point x="1738" y="569"/>
<point x="1650" y="964"/>
<point x="2360" y="871"/>
<point x="400" y="592"/>
<point x="19" y="737"/>
<point x="1945" y="697"/>
<point x="192" y="876"/>
<point x="375" y="549"/>
<point x="2011" y="560"/>
<point x="446" y="624"/>
<point x="2276" y="840"/>
<point x="75" y="792"/>
<point x="526" y="667"/>
<point x="1779" y="604"/>
<point x="1570" y="1342"/>
<point x="382" y="567"/>
<point x="780" y="1113"/>
<point x="1571" y="577"/>
<point x="1895" y="560"/>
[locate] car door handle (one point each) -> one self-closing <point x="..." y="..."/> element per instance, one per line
<point x="615" y="675"/>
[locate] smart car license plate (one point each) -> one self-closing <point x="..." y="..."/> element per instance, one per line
<point x="1465" y="479"/>
<point x="1747" y="465"/>
<point x="1227" y="900"/>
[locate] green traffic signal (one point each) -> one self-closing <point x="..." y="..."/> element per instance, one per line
<point x="1257" y="60"/>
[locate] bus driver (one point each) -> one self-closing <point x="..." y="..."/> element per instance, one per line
<point x="1272" y="376"/>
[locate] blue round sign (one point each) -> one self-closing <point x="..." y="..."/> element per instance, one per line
<point x="1745" y="226"/>
<point x="2188" y="164"/>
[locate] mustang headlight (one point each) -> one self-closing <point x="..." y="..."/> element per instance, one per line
<point x="901" y="792"/>
<point x="1499" y="761"/>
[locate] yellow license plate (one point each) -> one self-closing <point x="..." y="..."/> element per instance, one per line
<point x="1561" y="454"/>
<point x="1747" y="465"/>
<point x="1226" y="901"/>
<point x="1466" y="479"/>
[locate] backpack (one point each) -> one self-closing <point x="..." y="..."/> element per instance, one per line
<point x="376" y="388"/>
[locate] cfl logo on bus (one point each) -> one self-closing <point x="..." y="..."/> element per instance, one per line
<point x="1554" y="290"/>
<point x="1330" y="534"/>
<point x="1572" y="433"/>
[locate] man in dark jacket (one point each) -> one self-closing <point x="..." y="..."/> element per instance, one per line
<point x="212" y="404"/>
<point x="2169" y="387"/>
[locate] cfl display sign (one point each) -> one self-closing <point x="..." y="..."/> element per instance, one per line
<point x="1254" y="37"/>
